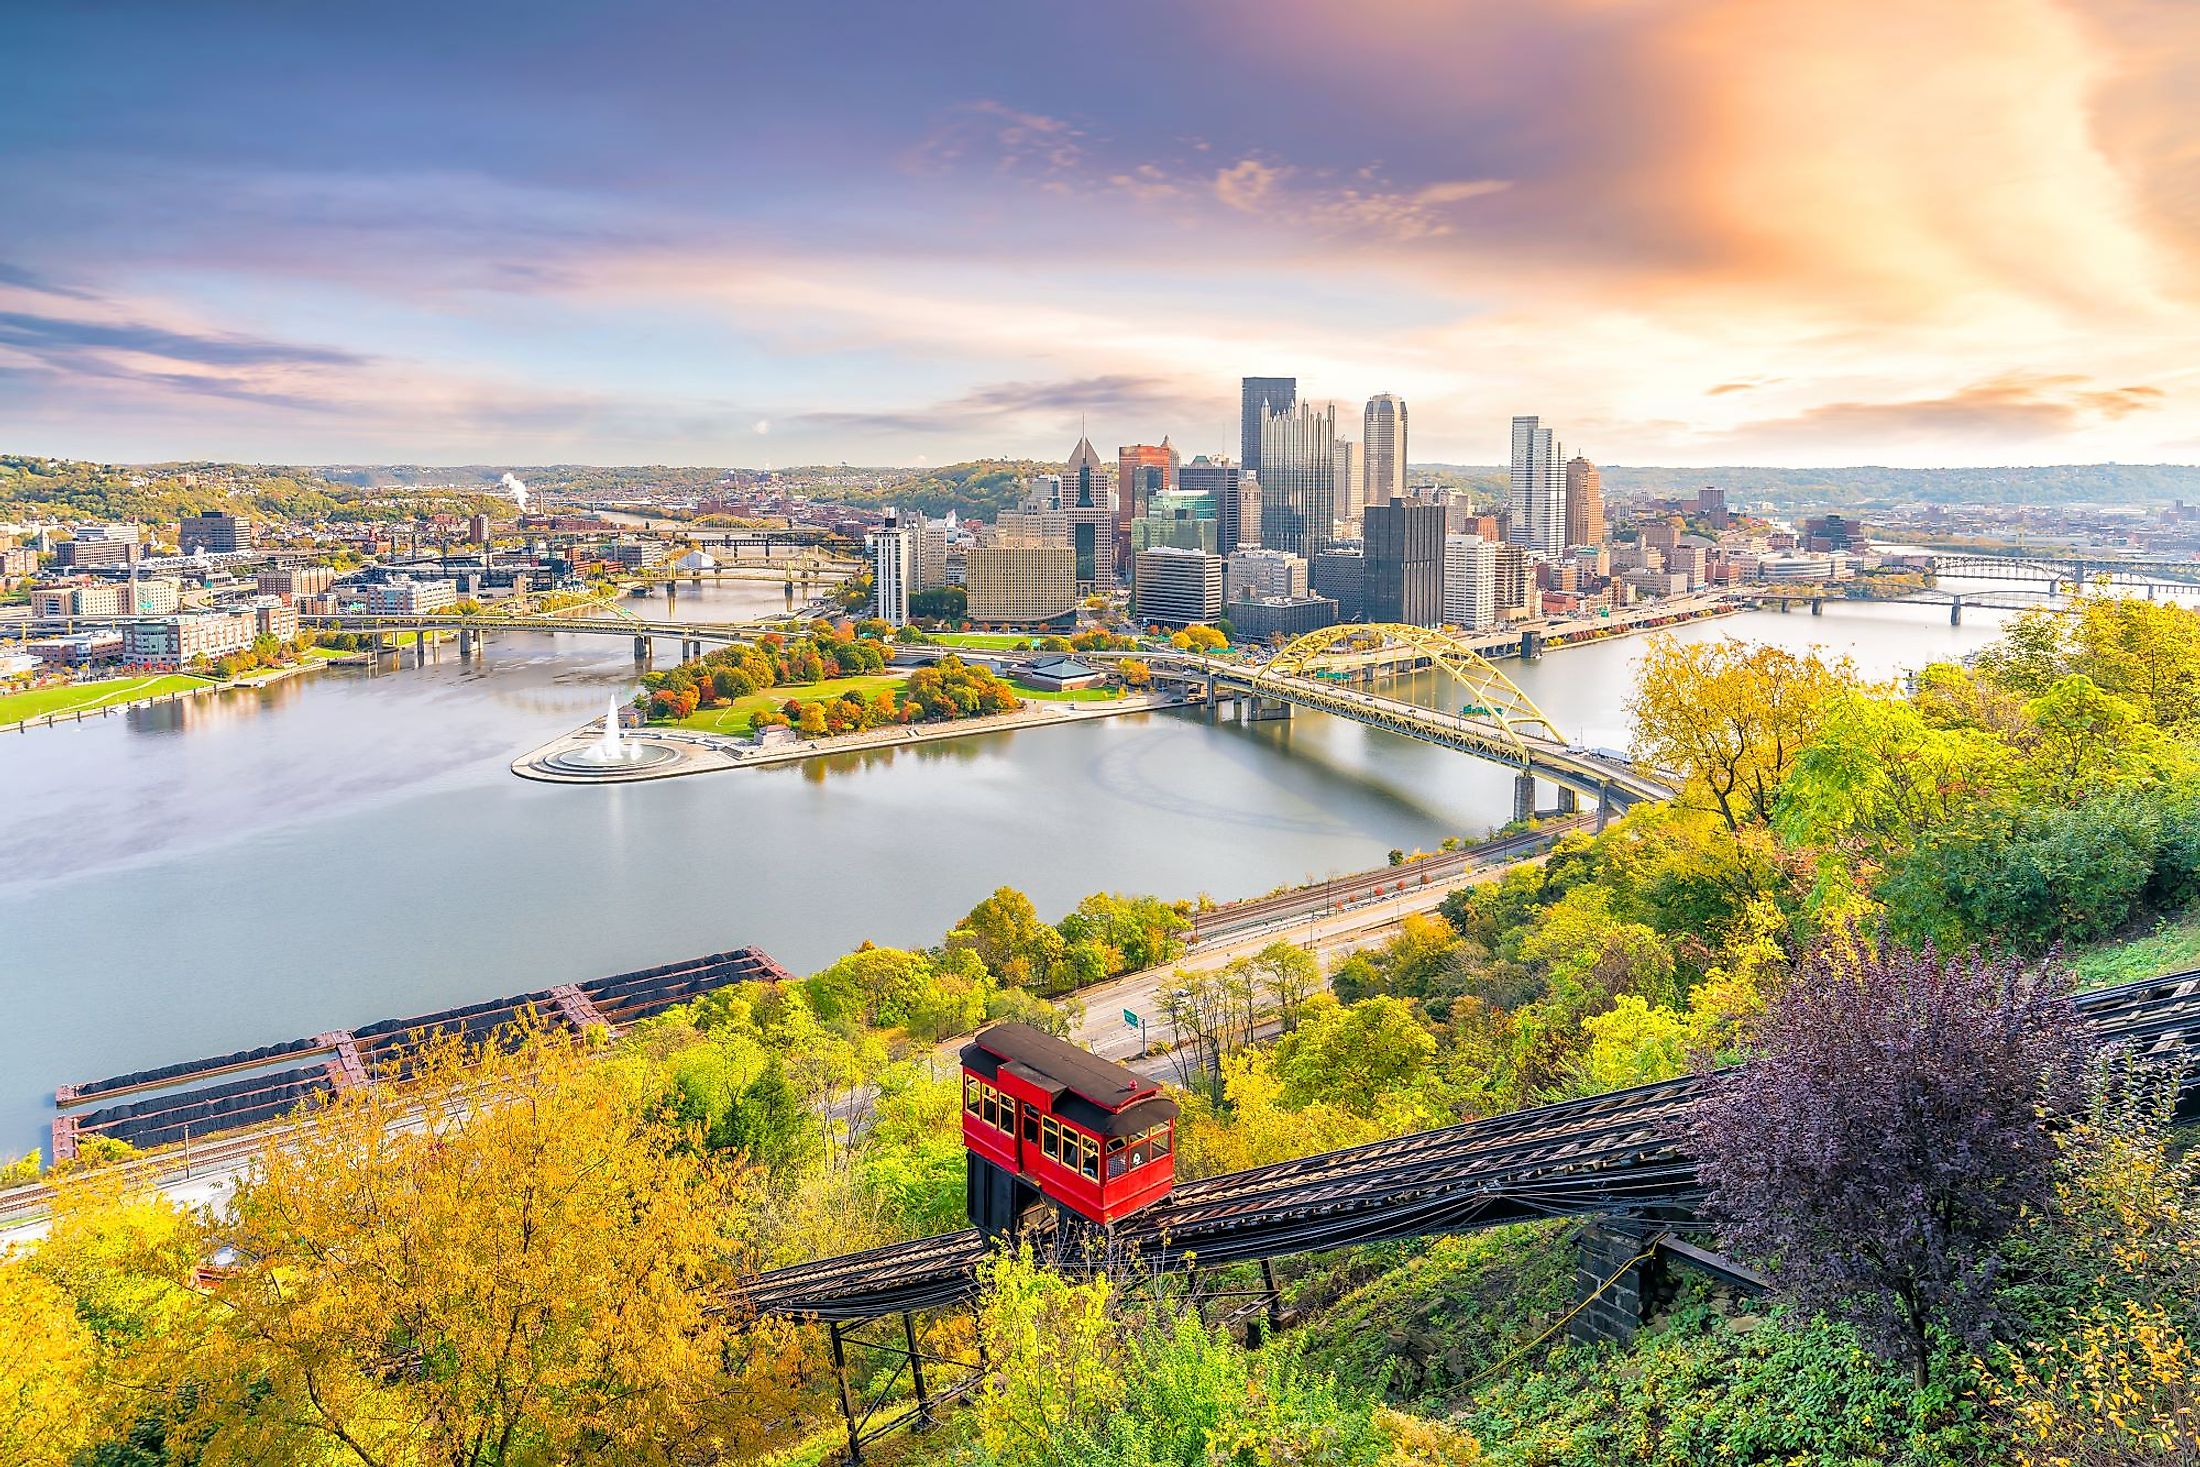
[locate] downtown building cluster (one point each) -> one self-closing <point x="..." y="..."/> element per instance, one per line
<point x="1305" y="528"/>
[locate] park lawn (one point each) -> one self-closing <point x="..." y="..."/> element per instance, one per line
<point x="738" y="718"/>
<point x="984" y="641"/>
<point x="1066" y="695"/>
<point x="107" y="692"/>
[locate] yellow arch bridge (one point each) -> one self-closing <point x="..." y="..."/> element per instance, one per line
<point x="1495" y="720"/>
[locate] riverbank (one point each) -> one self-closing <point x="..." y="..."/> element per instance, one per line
<point x="706" y="754"/>
<point x="157" y="688"/>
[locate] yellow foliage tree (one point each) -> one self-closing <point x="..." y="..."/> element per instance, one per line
<point x="48" y="1384"/>
<point x="1730" y="718"/>
<point x="504" y="1260"/>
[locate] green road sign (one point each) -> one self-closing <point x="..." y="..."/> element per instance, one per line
<point x="1132" y="1019"/>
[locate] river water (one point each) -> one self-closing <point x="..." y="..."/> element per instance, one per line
<point x="344" y="847"/>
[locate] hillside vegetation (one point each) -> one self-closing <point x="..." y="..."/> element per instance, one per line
<point x="1984" y="1241"/>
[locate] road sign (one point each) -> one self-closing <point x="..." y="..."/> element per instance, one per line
<point x="1131" y="1018"/>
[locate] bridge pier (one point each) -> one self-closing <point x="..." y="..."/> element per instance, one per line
<point x="641" y="651"/>
<point x="1631" y="1291"/>
<point x="1817" y="606"/>
<point x="1785" y="605"/>
<point x="1523" y="796"/>
<point x="1531" y="644"/>
<point x="1569" y="801"/>
<point x="1604" y="806"/>
<point x="1955" y="610"/>
<point x="465" y="644"/>
<point x="420" y="649"/>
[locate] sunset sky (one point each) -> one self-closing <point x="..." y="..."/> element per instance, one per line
<point x="1684" y="231"/>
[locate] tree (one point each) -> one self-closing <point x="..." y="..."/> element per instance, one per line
<point x="1730" y="718"/>
<point x="1883" y="1145"/>
<point x="506" y="1261"/>
<point x="1353" y="1056"/>
<point x="49" y="1397"/>
<point x="1286" y="975"/>
<point x="1005" y="932"/>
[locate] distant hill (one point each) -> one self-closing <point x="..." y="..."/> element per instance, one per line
<point x="1866" y="487"/>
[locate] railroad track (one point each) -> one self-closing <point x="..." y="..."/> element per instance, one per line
<point x="1621" y="1154"/>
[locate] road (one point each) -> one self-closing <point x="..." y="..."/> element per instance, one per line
<point x="203" y="1175"/>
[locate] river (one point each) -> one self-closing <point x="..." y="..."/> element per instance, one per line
<point x="342" y="847"/>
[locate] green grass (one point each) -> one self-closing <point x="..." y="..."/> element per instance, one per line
<point x="1066" y="695"/>
<point x="984" y="641"/>
<point x="2173" y="948"/>
<point x="106" y="693"/>
<point x="738" y="718"/>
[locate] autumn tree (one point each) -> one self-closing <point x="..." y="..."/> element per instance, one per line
<point x="1730" y="718"/>
<point x="48" y="1378"/>
<point x="503" y="1261"/>
<point x="1882" y="1146"/>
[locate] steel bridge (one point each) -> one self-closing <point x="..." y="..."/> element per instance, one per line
<point x="1496" y="721"/>
<point x="1623" y="1157"/>
<point x="2074" y="570"/>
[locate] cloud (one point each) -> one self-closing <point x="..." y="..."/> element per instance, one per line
<point x="24" y="279"/>
<point x="2011" y="407"/>
<point x="52" y="337"/>
<point x="993" y="407"/>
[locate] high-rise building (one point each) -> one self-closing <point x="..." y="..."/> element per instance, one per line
<point x="932" y="538"/>
<point x="1383" y="440"/>
<point x="1351" y="485"/>
<point x="1171" y="587"/>
<point x="216" y="534"/>
<point x="1088" y="498"/>
<point x="1340" y="573"/>
<point x="1146" y="471"/>
<point x="893" y="547"/>
<point x="1584" y="503"/>
<point x="1251" y="571"/>
<point x="1298" y="479"/>
<point x="1221" y="482"/>
<point x="1022" y="583"/>
<point x="1238" y="513"/>
<point x="1405" y="563"/>
<point x="1538" y="488"/>
<point x="1515" y="581"/>
<point x="1261" y="397"/>
<point x="1470" y="582"/>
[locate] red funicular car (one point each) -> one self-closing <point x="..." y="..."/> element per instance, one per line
<point x="1046" y="1121"/>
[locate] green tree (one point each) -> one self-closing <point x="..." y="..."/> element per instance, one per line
<point x="1354" y="1055"/>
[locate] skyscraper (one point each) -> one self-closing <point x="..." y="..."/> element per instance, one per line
<point x="1298" y="479"/>
<point x="1383" y="440"/>
<point x="1261" y="397"/>
<point x="1470" y="582"/>
<point x="1088" y="497"/>
<point x="1584" y="503"/>
<point x="1351" y="485"/>
<point x="1222" y="481"/>
<point x="1146" y="469"/>
<point x="1538" y="488"/>
<point x="1405" y="563"/>
<point x="893" y="547"/>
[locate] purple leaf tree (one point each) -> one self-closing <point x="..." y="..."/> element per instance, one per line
<point x="1890" y="1132"/>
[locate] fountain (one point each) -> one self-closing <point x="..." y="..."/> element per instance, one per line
<point x="612" y="753"/>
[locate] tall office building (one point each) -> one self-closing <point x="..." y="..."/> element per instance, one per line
<point x="1088" y="497"/>
<point x="1515" y="582"/>
<point x="1261" y="397"/>
<point x="1239" y="513"/>
<point x="1584" y="503"/>
<point x="1351" y="485"/>
<point x="1145" y="471"/>
<point x="1470" y="582"/>
<point x="214" y="532"/>
<point x="1405" y="563"/>
<point x="1538" y="488"/>
<point x="1174" y="587"/>
<point x="932" y="541"/>
<point x="1217" y="480"/>
<point x="1250" y="571"/>
<point x="1298" y="479"/>
<point x="1340" y="573"/>
<point x="893" y="547"/>
<point x="1016" y="582"/>
<point x="1383" y="448"/>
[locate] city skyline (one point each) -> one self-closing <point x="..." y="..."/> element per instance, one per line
<point x="706" y="234"/>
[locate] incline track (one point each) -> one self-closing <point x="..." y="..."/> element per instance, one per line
<point x="1622" y="1154"/>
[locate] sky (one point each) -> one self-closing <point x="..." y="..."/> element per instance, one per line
<point x="722" y="232"/>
